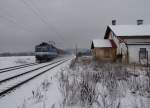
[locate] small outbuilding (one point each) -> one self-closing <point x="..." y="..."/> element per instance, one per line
<point x="104" y="50"/>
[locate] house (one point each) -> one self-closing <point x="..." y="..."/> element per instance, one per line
<point x="104" y="49"/>
<point x="132" y="41"/>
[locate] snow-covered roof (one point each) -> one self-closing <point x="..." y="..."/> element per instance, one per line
<point x="130" y="30"/>
<point x="99" y="43"/>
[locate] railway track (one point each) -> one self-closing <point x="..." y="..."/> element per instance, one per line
<point x="15" y="66"/>
<point x="7" y="76"/>
<point x="11" y="83"/>
<point x="3" y="70"/>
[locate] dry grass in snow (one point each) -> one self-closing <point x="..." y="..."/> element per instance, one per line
<point x="103" y="85"/>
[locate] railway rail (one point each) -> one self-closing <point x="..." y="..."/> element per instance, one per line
<point x="16" y="67"/>
<point x="7" y="69"/>
<point x="11" y="83"/>
<point x="8" y="76"/>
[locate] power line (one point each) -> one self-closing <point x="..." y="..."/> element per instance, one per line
<point x="43" y="18"/>
<point x="11" y="19"/>
<point x="33" y="10"/>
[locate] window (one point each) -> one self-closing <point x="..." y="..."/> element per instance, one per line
<point x="41" y="49"/>
<point x="143" y="53"/>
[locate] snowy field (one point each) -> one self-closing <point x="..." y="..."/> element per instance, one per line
<point x="83" y="83"/>
<point x="15" y="60"/>
<point x="42" y="92"/>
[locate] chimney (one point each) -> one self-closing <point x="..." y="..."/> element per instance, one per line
<point x="113" y="22"/>
<point x="139" y="22"/>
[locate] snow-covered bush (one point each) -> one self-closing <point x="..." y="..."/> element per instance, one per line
<point x="45" y="84"/>
<point x="102" y="85"/>
<point x="39" y="95"/>
<point x="78" y="85"/>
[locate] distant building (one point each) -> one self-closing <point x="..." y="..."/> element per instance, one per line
<point x="133" y="42"/>
<point x="104" y="50"/>
<point x="124" y="44"/>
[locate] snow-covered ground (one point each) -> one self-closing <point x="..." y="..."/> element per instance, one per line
<point x="15" y="61"/>
<point x="42" y="92"/>
<point x="90" y="84"/>
<point x="85" y="85"/>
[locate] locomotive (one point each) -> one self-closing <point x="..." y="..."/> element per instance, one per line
<point x="45" y="52"/>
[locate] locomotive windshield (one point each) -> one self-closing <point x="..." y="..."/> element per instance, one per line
<point x="41" y="49"/>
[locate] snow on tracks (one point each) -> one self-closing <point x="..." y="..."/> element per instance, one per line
<point x="18" y="80"/>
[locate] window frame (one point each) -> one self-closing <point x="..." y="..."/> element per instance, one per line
<point x="143" y="52"/>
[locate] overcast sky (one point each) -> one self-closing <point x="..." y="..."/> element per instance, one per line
<point x="25" y="23"/>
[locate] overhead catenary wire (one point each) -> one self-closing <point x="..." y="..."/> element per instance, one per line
<point x="36" y="11"/>
<point x="49" y="24"/>
<point x="42" y="17"/>
<point x="33" y="10"/>
<point x="12" y="20"/>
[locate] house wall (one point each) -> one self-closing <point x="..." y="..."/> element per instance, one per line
<point x="100" y="54"/>
<point x="115" y="39"/>
<point x="137" y="40"/>
<point x="133" y="51"/>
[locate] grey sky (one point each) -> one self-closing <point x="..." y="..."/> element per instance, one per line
<point x="25" y="24"/>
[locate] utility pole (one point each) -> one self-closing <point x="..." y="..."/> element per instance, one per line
<point x="147" y="58"/>
<point x="76" y="51"/>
